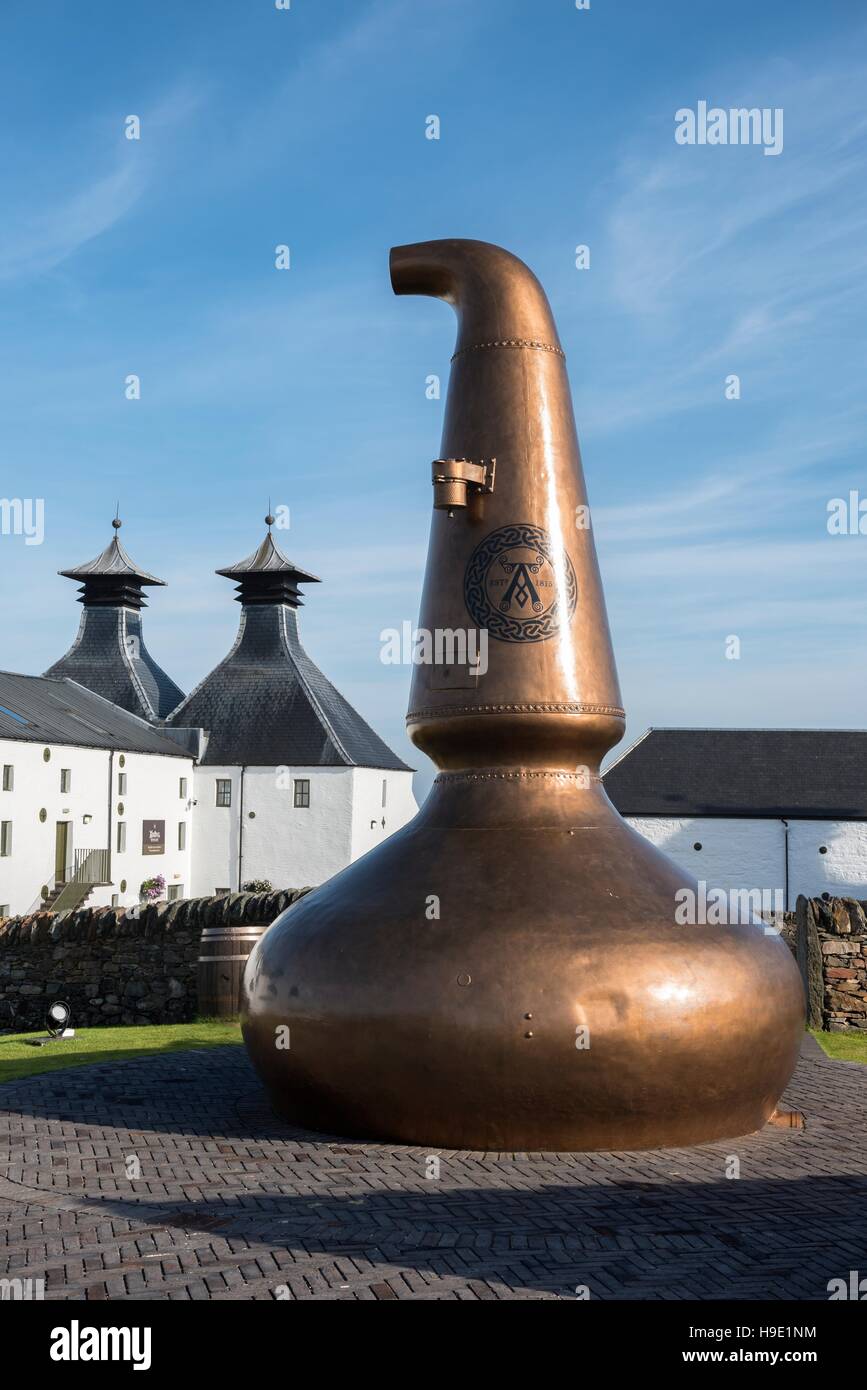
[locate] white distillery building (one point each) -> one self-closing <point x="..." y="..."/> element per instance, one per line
<point x="93" y="800"/>
<point x="783" y="810"/>
<point x="111" y="777"/>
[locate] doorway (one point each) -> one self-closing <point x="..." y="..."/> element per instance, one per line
<point x="61" y="850"/>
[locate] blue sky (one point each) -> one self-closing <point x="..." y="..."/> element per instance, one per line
<point x="307" y="127"/>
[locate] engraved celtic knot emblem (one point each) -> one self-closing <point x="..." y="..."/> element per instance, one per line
<point x="514" y="589"/>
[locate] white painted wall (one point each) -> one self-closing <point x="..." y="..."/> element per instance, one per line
<point x="841" y="871"/>
<point x="752" y="853"/>
<point x="373" y="821"/>
<point x="292" y="846"/>
<point x="733" y="854"/>
<point x="152" y="793"/>
<point x="37" y="786"/>
<point x="215" y="829"/>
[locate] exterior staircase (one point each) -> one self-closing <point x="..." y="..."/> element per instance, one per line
<point x="91" y="869"/>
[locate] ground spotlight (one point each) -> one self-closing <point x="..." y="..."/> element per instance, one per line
<point x="56" y="1022"/>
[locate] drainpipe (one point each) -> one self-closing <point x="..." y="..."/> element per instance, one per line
<point x="786" y="859"/>
<point x="241" y="829"/>
<point x="110" y="842"/>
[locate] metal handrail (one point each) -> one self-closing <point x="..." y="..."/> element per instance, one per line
<point x="90" y="868"/>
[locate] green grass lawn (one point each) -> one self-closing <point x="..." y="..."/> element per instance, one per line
<point x="117" y="1044"/>
<point x="108" y="1045"/>
<point x="843" y="1047"/>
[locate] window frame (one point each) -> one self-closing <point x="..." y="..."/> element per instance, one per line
<point x="220" y="786"/>
<point x="301" y="793"/>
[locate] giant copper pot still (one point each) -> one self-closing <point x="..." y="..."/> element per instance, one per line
<point x="508" y="971"/>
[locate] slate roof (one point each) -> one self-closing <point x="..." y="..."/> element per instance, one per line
<point x="807" y="774"/>
<point x="40" y="709"/>
<point x="109" y="656"/>
<point x="268" y="705"/>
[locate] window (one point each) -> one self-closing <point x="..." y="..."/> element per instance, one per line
<point x="182" y="834"/>
<point x="5" y="838"/>
<point x="175" y="891"/>
<point x="121" y="836"/>
<point x="8" y="777"/>
<point x="4" y="909"/>
<point x="115" y="900"/>
<point x="224" y="791"/>
<point x="302" y="791"/>
<point x="121" y="784"/>
<point x="182" y="788"/>
<point x="222" y="892"/>
<point x="384" y="792"/>
<point x="66" y="779"/>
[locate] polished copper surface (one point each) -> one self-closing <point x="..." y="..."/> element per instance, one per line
<point x="507" y="971"/>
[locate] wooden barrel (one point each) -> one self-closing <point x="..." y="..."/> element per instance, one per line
<point x="224" y="952"/>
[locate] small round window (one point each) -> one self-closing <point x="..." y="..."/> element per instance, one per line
<point x="823" y="849"/>
<point x="123" y="885"/>
<point x="697" y="844"/>
<point x="46" y="755"/>
<point x="120" y="808"/>
<point x="122" y="760"/>
<point x="43" y="815"/>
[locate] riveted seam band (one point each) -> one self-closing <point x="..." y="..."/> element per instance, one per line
<point x="533" y="343"/>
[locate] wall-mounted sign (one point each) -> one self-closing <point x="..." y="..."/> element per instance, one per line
<point x="153" y="837"/>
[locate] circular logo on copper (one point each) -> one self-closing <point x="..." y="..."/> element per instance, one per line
<point x="511" y="588"/>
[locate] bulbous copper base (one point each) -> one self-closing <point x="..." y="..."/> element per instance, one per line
<point x="436" y="989"/>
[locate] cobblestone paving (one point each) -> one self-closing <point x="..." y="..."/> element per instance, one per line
<point x="230" y="1203"/>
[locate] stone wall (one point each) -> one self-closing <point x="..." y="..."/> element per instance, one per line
<point x="831" y="949"/>
<point x="114" y="967"/>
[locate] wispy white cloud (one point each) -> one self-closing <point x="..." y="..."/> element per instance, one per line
<point x="74" y="205"/>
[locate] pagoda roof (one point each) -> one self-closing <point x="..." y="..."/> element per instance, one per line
<point x="112" y="563"/>
<point x="267" y="575"/>
<point x="268" y="558"/>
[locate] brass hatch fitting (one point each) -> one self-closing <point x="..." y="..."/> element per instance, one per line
<point x="452" y="478"/>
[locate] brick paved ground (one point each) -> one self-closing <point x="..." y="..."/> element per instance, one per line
<point x="232" y="1204"/>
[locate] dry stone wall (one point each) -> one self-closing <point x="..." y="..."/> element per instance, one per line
<point x="831" y="949"/>
<point x="115" y="967"/>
